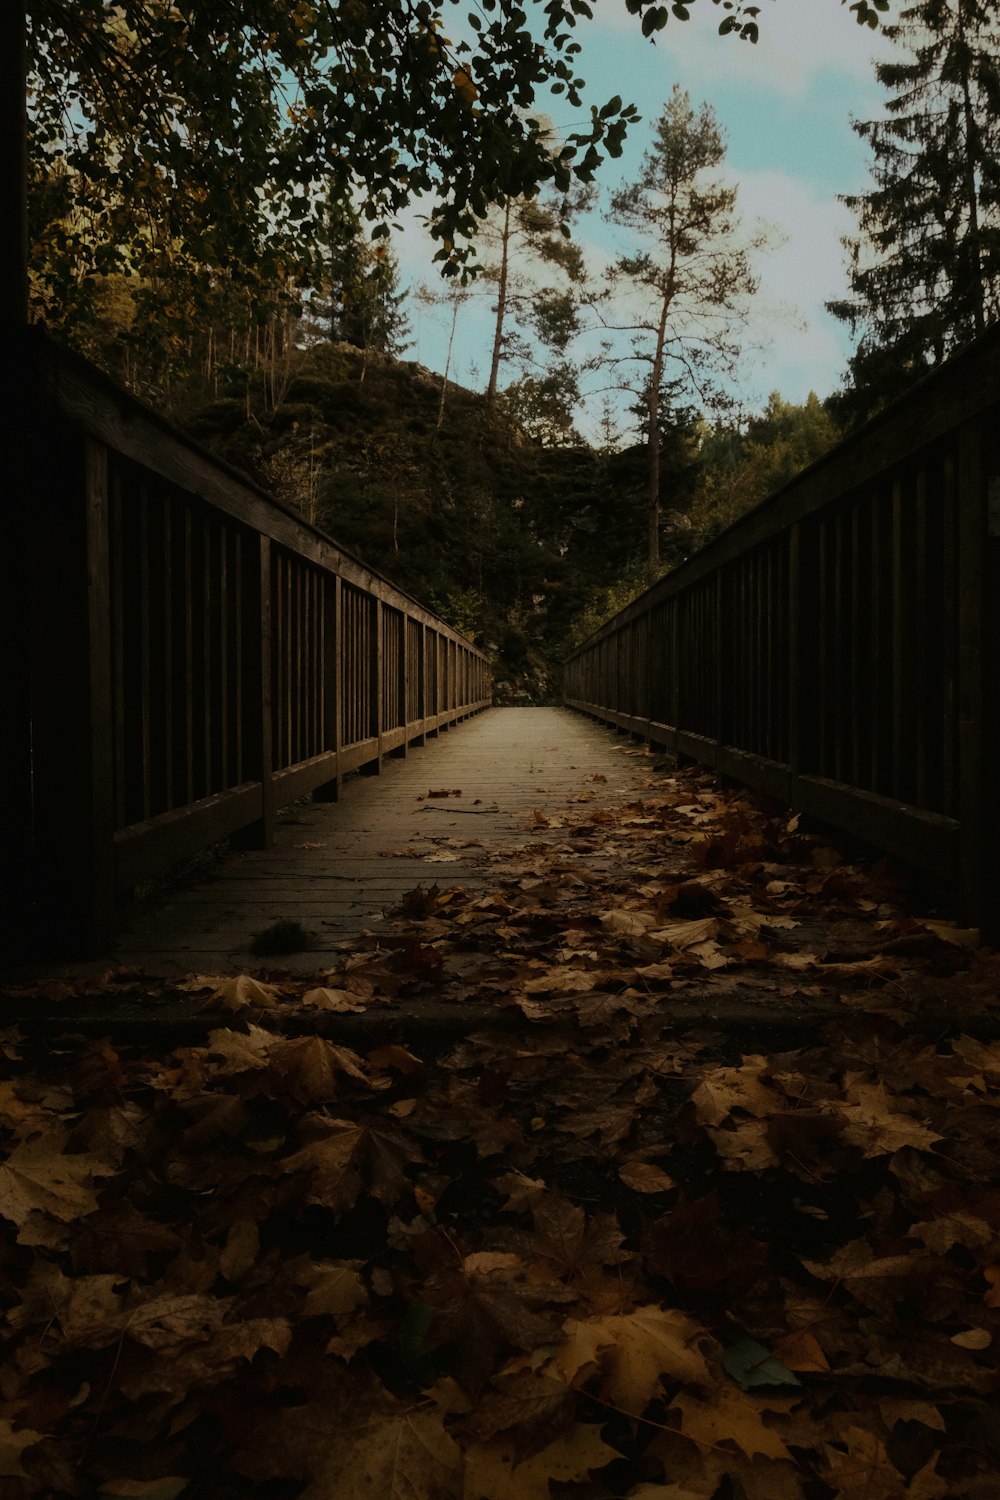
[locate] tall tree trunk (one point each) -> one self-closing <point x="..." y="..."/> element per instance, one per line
<point x="971" y="190"/>
<point x="491" y="388"/>
<point x="653" y="433"/>
<point x="447" y="366"/>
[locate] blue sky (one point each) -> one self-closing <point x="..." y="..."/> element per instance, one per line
<point x="785" y="106"/>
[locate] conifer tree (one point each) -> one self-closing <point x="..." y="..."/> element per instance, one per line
<point x="366" y="304"/>
<point x="693" y="274"/>
<point x="525" y="236"/>
<point x="925" y="267"/>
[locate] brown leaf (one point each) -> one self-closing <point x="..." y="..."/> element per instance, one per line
<point x="731" y="1416"/>
<point x="498" y="1470"/>
<point x="800" y="1351"/>
<point x="238" y="993"/>
<point x="645" y="1177"/>
<point x="637" y="1349"/>
<point x="529" y="1407"/>
<point x="309" y="1068"/>
<point x="38" y="1178"/>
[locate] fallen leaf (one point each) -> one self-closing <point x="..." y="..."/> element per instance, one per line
<point x="498" y="1471"/>
<point x="645" y="1177"/>
<point x="730" y="1417"/>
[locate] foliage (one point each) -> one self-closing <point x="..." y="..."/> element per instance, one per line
<point x="925" y="267"/>
<point x="525" y="239"/>
<point x="741" y="466"/>
<point x="362" y="284"/>
<point x="603" y="1246"/>
<point x="692" y="273"/>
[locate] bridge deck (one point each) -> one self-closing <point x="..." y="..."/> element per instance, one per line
<point x="336" y="867"/>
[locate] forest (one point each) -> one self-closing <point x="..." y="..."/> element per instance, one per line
<point x="253" y="293"/>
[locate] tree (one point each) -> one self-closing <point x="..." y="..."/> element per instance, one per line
<point x="925" y="267"/>
<point x="693" y="279"/>
<point x="221" y="122"/>
<point x="526" y="236"/>
<point x="742" y="465"/>
<point x="365" y="301"/>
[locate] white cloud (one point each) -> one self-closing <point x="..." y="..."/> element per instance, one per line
<point x="798" y="40"/>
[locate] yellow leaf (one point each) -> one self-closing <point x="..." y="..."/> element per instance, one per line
<point x="800" y="1351"/>
<point x="493" y="1472"/>
<point x="464" y="86"/>
<point x="234" y="993"/>
<point x="643" y="1346"/>
<point x="730" y="1417"/>
<point x="628" y="923"/>
<point x="335" y="1000"/>
<point x="973" y="1338"/>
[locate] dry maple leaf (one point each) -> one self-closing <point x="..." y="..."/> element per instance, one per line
<point x="352" y="1439"/>
<point x="241" y="1052"/>
<point x="328" y="1164"/>
<point x="873" y="1125"/>
<point x="560" y="981"/>
<point x="722" y="1090"/>
<point x="334" y="1289"/>
<point x="39" y="1179"/>
<point x="498" y="1470"/>
<point x="307" y="1068"/>
<point x="627" y="923"/>
<point x="731" y="1416"/>
<point x="865" y="1469"/>
<point x="529" y="1407"/>
<point x="234" y="993"/>
<point x="339" y="1001"/>
<point x="634" y="1351"/>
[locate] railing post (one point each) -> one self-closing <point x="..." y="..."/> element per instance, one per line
<point x="374" y="767"/>
<point x="793" y="663"/>
<point x="259" y="691"/>
<point x="976" y="809"/>
<point x="329" y="791"/>
<point x="69" y="642"/>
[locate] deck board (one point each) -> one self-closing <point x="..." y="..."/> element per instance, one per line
<point x="338" y="867"/>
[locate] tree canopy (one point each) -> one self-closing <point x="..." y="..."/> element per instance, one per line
<point x="925" y="267"/>
<point x="224" y="124"/>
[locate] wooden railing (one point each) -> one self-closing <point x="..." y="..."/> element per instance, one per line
<point x="185" y="656"/>
<point x="839" y="646"/>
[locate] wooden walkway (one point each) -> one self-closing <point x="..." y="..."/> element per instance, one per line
<point x="336" y="868"/>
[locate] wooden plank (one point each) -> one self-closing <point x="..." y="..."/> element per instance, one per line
<point x="146" y="851"/>
<point x="926" y="840"/>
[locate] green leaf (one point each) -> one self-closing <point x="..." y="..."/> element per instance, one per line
<point x="750" y="1364"/>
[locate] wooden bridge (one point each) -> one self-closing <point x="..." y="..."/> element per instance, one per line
<point x="186" y="657"/>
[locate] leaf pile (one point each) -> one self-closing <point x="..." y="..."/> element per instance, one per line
<point x="589" y="1255"/>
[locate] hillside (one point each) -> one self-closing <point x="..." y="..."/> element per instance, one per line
<point x="513" y="542"/>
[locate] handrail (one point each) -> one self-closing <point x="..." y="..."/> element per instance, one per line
<point x="189" y="655"/>
<point x="836" y="646"/>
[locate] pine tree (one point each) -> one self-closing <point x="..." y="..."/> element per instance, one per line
<point x="526" y="235"/>
<point x="925" y="267"/>
<point x="695" y="274"/>
<point x="366" y="304"/>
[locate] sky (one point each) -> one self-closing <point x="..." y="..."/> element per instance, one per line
<point x="785" y="106"/>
